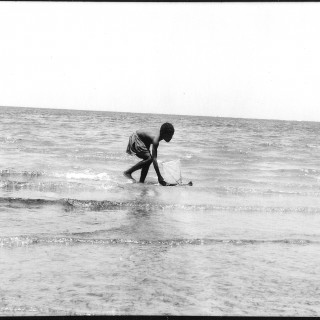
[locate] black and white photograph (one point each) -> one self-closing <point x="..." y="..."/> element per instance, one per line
<point x="159" y="159"/>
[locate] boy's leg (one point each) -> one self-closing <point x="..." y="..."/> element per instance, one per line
<point x="145" y="162"/>
<point x="144" y="171"/>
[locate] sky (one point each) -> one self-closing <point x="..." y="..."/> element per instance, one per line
<point x="248" y="60"/>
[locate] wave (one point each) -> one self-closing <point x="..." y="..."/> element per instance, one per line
<point x="256" y="191"/>
<point x="39" y="186"/>
<point x="93" y="205"/>
<point x="296" y="171"/>
<point x="96" y="205"/>
<point x="7" y="173"/>
<point x="59" y="186"/>
<point x="82" y="175"/>
<point x="99" y="156"/>
<point x="21" y="241"/>
<point x="29" y="175"/>
<point x="9" y="140"/>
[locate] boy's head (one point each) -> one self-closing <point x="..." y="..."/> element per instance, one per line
<point x="167" y="131"/>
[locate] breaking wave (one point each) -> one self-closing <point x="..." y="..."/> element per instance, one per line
<point x="96" y="205"/>
<point x="45" y="186"/>
<point x="21" y="241"/>
<point x="85" y="174"/>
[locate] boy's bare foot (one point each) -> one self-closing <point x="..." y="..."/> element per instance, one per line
<point x="128" y="175"/>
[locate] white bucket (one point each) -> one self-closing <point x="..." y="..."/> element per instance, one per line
<point x="171" y="171"/>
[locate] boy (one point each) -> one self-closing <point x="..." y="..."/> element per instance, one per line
<point x="139" y="144"/>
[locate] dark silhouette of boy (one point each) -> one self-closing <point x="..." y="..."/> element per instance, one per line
<point x="139" y="145"/>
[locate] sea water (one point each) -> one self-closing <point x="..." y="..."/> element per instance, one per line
<point x="77" y="237"/>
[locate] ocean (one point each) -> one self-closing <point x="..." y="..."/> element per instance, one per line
<point x="78" y="238"/>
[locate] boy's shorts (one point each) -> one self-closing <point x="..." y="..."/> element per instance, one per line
<point x="137" y="147"/>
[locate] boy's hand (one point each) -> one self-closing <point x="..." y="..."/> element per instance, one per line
<point x="162" y="182"/>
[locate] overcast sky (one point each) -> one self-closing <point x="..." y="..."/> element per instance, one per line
<point x="248" y="60"/>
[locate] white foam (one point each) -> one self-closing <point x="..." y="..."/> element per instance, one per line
<point x="102" y="176"/>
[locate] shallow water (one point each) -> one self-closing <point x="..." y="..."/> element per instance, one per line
<point x="76" y="237"/>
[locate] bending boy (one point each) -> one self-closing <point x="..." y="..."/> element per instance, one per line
<point x="139" y="145"/>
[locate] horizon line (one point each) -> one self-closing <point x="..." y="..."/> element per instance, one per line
<point x="169" y="114"/>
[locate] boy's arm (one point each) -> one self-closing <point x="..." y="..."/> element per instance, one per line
<point x="155" y="163"/>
